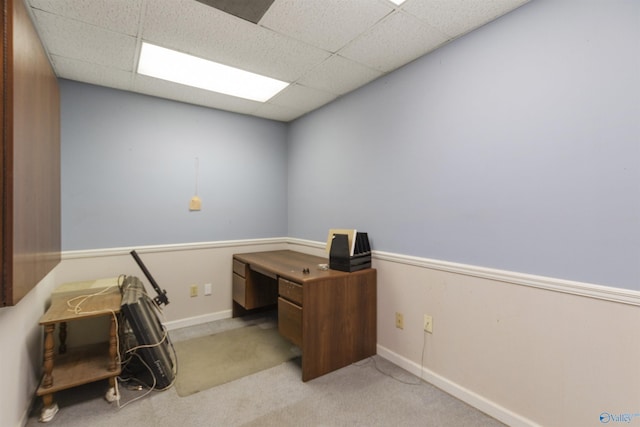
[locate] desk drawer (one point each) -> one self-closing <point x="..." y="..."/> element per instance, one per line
<point x="239" y="267"/>
<point x="290" y="290"/>
<point x="239" y="290"/>
<point x="290" y="321"/>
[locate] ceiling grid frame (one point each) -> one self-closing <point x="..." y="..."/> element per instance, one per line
<point x="343" y="46"/>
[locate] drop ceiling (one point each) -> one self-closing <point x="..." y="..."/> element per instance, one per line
<point x="324" y="48"/>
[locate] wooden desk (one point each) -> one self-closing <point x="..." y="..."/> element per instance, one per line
<point x="82" y="365"/>
<point x="329" y="314"/>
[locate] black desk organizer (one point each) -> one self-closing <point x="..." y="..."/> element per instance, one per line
<point x="340" y="257"/>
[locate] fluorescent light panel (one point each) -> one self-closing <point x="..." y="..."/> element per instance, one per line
<point x="178" y="67"/>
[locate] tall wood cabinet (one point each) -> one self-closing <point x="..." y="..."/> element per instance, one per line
<point x="29" y="157"/>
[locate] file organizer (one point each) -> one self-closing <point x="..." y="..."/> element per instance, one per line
<point x="341" y="258"/>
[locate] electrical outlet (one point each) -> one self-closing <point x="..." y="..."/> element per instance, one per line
<point x="193" y="290"/>
<point x="399" y="321"/>
<point x="207" y="288"/>
<point x="428" y="323"/>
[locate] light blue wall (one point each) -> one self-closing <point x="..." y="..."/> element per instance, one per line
<point x="515" y="147"/>
<point x="129" y="171"/>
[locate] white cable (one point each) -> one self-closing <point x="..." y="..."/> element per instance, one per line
<point x="133" y="351"/>
<point x="197" y="173"/>
<point x="76" y="308"/>
<point x="150" y="389"/>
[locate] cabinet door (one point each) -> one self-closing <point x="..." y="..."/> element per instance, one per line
<point x="29" y="156"/>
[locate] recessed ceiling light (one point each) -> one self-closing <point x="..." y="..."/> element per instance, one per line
<point x="178" y="67"/>
<point x="397" y="2"/>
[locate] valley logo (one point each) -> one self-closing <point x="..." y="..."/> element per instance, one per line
<point x="607" y="417"/>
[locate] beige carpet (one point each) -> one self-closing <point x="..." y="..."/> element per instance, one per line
<point x="208" y="361"/>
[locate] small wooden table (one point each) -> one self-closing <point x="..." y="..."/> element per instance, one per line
<point x="81" y="365"/>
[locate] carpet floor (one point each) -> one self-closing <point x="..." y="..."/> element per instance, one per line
<point x="215" y="359"/>
<point x="372" y="392"/>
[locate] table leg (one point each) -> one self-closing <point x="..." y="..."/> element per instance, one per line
<point x="63" y="338"/>
<point x="113" y="345"/>
<point x="49" y="408"/>
<point x="48" y="355"/>
<point x="112" y="394"/>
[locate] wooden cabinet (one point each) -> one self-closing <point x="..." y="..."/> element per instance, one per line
<point x="29" y="158"/>
<point x="330" y="315"/>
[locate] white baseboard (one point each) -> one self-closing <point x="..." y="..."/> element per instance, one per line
<point x="197" y="320"/>
<point x="488" y="407"/>
<point x="482" y="404"/>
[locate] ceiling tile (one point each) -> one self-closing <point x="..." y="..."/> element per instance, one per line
<point x="74" y="39"/>
<point x="339" y="75"/>
<point x="121" y="16"/>
<point x="276" y="112"/>
<point x="457" y="17"/>
<point x="87" y="72"/>
<point x="326" y="24"/>
<point x="191" y="95"/>
<point x="203" y="31"/>
<point x="378" y="48"/>
<point x="302" y="98"/>
<point x="325" y="48"/>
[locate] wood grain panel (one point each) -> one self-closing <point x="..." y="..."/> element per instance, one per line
<point x="31" y="158"/>
<point x="290" y="321"/>
<point x="238" y="289"/>
<point x="6" y="187"/>
<point x="290" y="290"/>
<point x="261" y="291"/>
<point x="339" y="322"/>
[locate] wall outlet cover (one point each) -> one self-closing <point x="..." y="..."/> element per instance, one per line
<point x="428" y="323"/>
<point x="399" y="321"/>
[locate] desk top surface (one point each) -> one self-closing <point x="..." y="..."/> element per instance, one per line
<point x="291" y="265"/>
